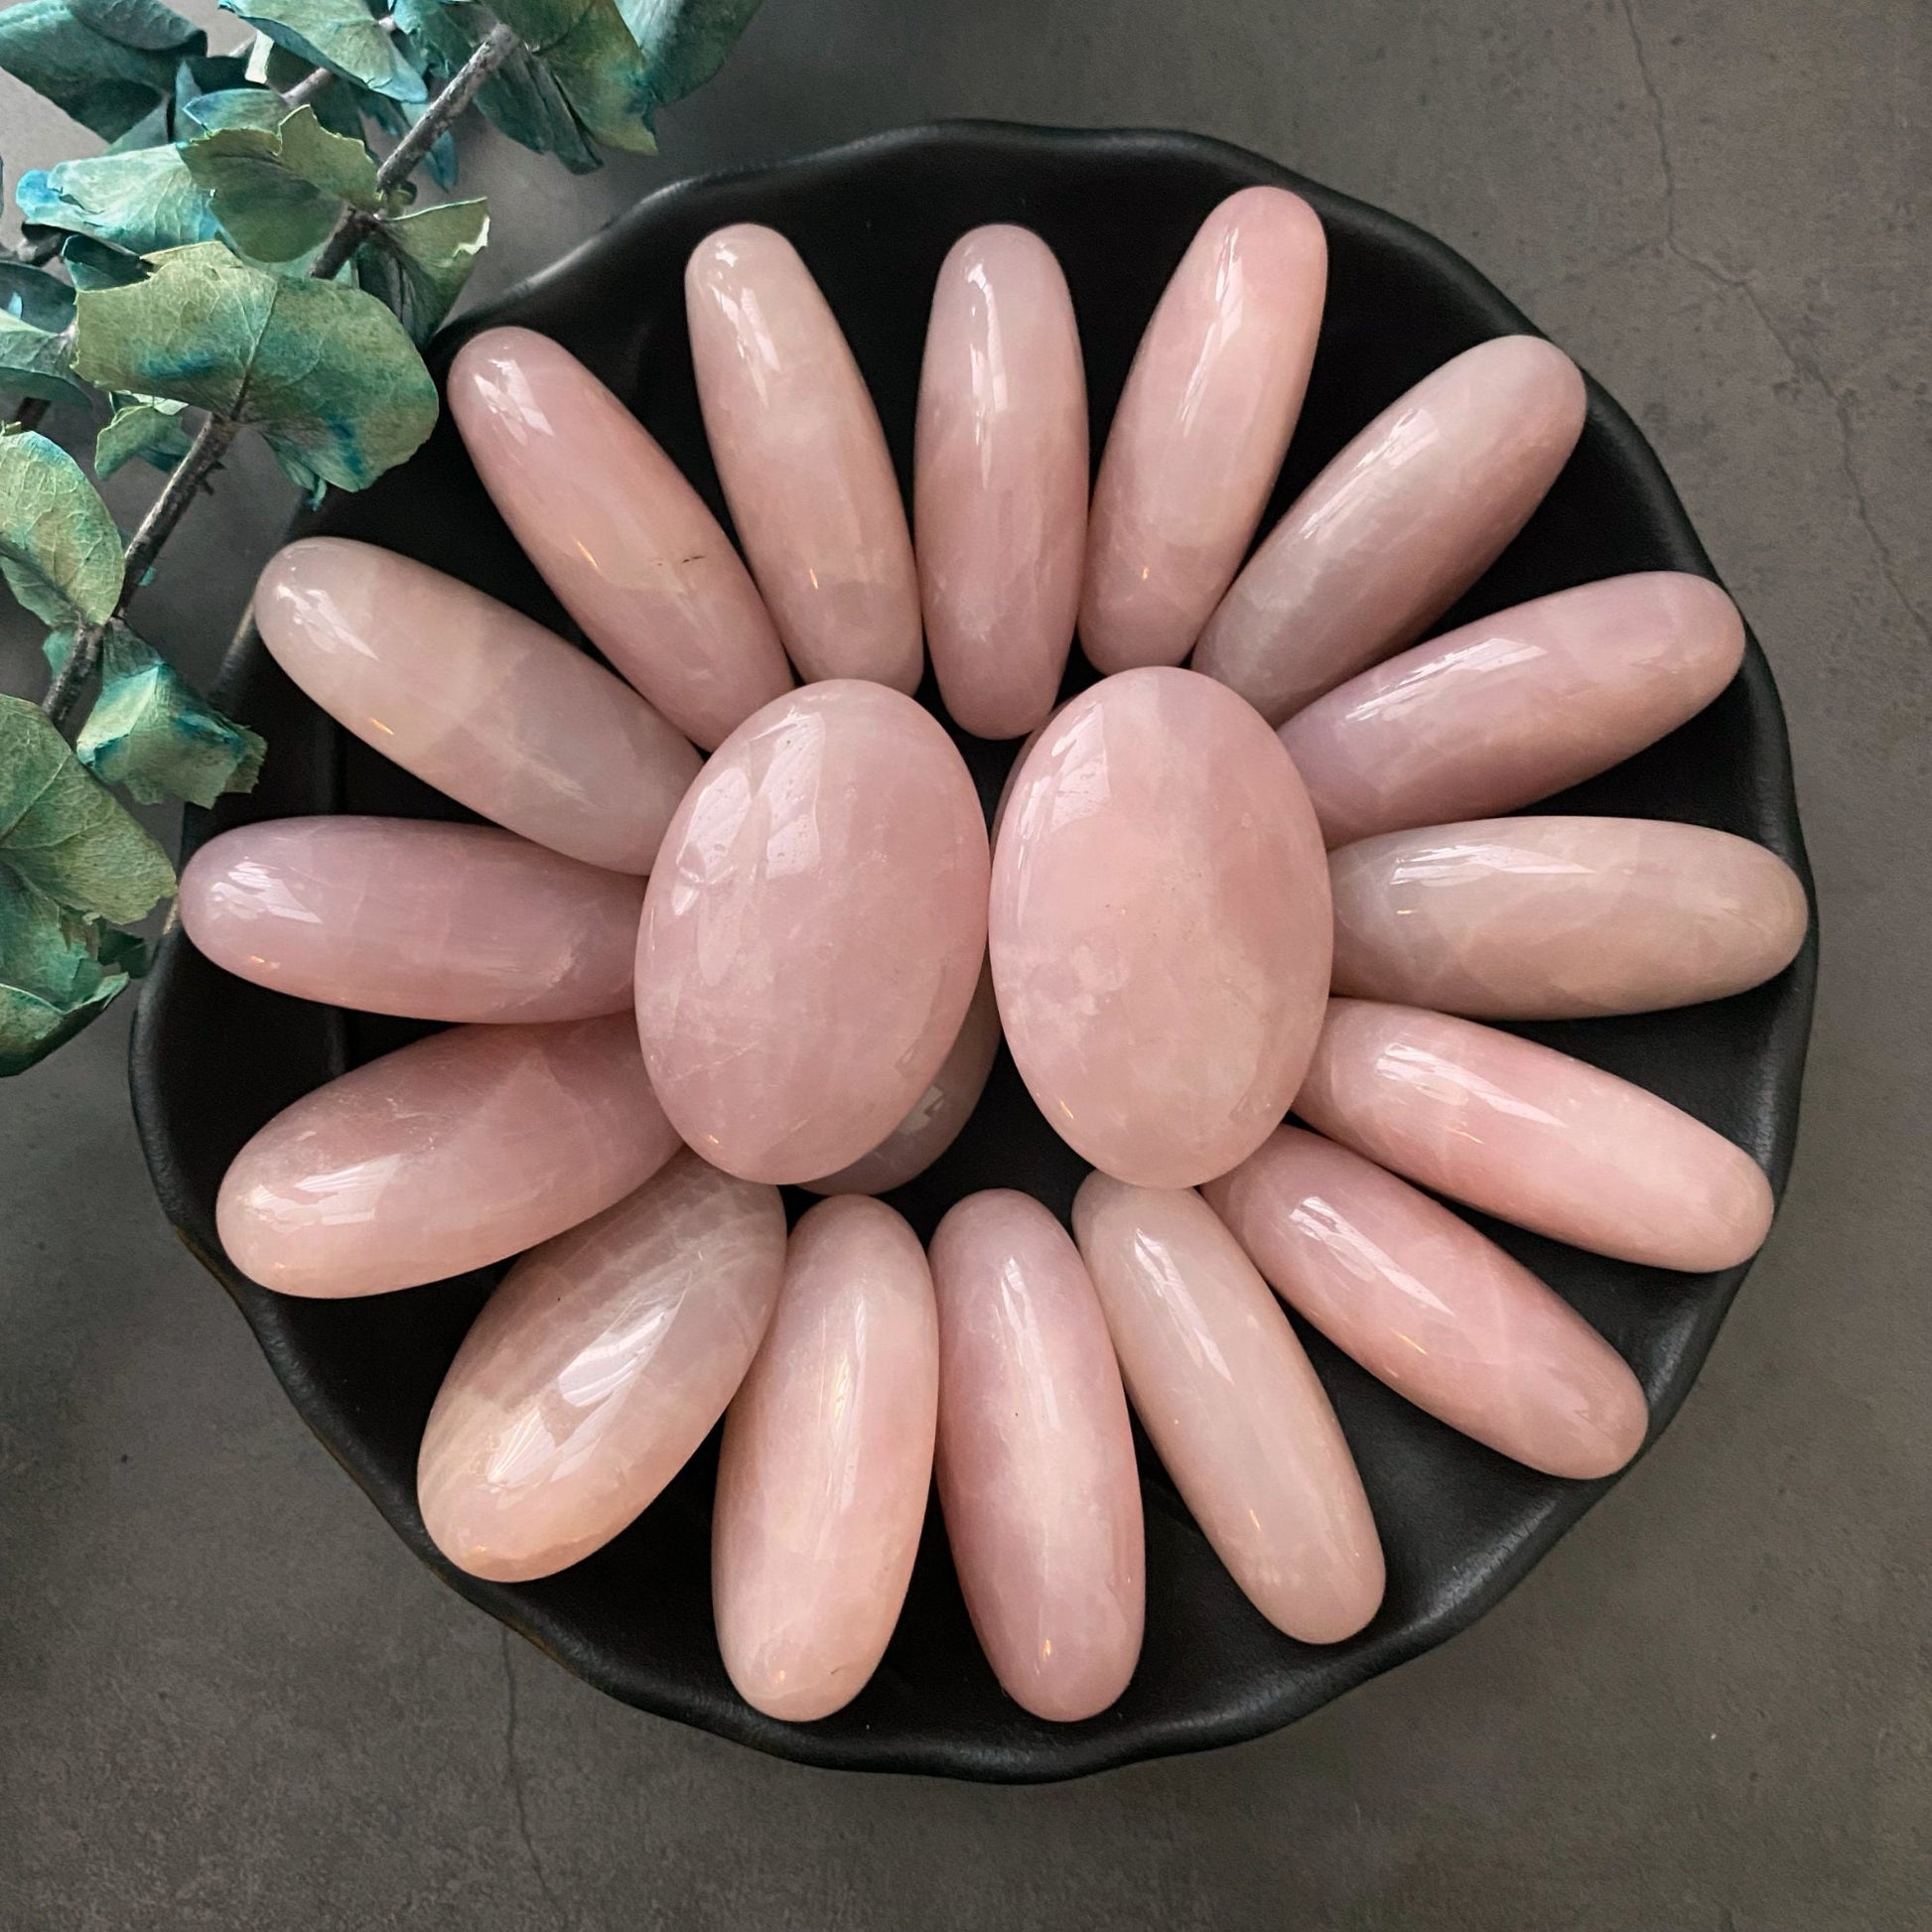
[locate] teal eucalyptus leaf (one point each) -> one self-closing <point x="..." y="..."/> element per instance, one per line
<point x="278" y="192"/>
<point x="685" y="41"/>
<point x="147" y="427"/>
<point x="58" y="974"/>
<point x="38" y="362"/>
<point x="594" y="62"/>
<point x="145" y="24"/>
<point x="87" y="66"/>
<point x="417" y="264"/>
<point x="58" y="546"/>
<point x="341" y="34"/>
<point x="93" y="264"/>
<point x="33" y="296"/>
<point x="141" y="202"/>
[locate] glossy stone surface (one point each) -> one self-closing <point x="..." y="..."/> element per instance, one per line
<point x="1534" y="1137"/>
<point x="937" y="1115"/>
<point x="1202" y="426"/>
<point x="446" y="1154"/>
<point x="1424" y="1302"/>
<point x="1035" y="1459"/>
<point x="1233" y="1406"/>
<point x="596" y="1370"/>
<point x="623" y="540"/>
<point x="1399" y="526"/>
<point x="475" y="700"/>
<point x="1159" y="927"/>
<point x="802" y="461"/>
<point x="407" y="916"/>
<point x="1000" y="480"/>
<point x="1558" y="918"/>
<point x="1513" y="708"/>
<point x="813" y="931"/>
<point x="826" y="1462"/>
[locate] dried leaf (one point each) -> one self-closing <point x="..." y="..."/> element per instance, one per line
<point x="58" y="546"/>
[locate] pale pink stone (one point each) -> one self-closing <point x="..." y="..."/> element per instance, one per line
<point x="813" y="931"/>
<point x="826" y="1462"/>
<point x="1399" y="526"/>
<point x="937" y="1115"/>
<point x="1160" y="927"/>
<point x="1560" y="918"/>
<point x="408" y="916"/>
<point x="623" y="540"/>
<point x="444" y="1155"/>
<point x="1036" y="1460"/>
<point x="596" y="1370"/>
<point x="1000" y="480"/>
<point x="1534" y="1137"/>
<point x="475" y="699"/>
<point x="802" y="461"/>
<point x="1202" y="428"/>
<point x="1235" y="1407"/>
<point x="1512" y="708"/>
<point x="1424" y="1302"/>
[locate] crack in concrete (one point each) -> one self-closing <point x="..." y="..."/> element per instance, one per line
<point x="513" y="1772"/>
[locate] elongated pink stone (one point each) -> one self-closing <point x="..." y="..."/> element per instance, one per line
<point x="407" y="916"/>
<point x="802" y="460"/>
<point x="1000" y="480"/>
<point x="1235" y="1407"/>
<point x="937" y="1115"/>
<point x="475" y="699"/>
<point x="1399" y="526"/>
<point x="1159" y="927"/>
<point x="1560" y="918"/>
<point x="1424" y="1302"/>
<point x="1035" y="1458"/>
<point x="812" y="933"/>
<point x="597" y="1368"/>
<point x="444" y="1155"/>
<point x="1534" y="1137"/>
<point x="1512" y="708"/>
<point x="1202" y="428"/>
<point x="826" y="1462"/>
<point x="623" y="540"/>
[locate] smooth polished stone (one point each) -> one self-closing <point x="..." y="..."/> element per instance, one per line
<point x="1159" y="927"/>
<point x="1560" y="918"/>
<point x="408" y="916"/>
<point x="1202" y="428"/>
<point x="802" y="461"/>
<point x="1233" y="1406"/>
<point x="813" y="931"/>
<point x="826" y="1461"/>
<point x="1399" y="526"/>
<point x="596" y="1370"/>
<point x="442" y="1157"/>
<point x="1428" y="1305"/>
<point x="1534" y="1137"/>
<point x="1035" y="1461"/>
<point x="1000" y="480"/>
<point x="623" y="540"/>
<point x="475" y="700"/>
<point x="1513" y="708"/>
<point x="937" y="1115"/>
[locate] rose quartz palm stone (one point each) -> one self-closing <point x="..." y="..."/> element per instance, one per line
<point x="1425" y="1302"/>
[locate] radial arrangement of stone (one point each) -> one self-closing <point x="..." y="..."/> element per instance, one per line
<point x="735" y="923"/>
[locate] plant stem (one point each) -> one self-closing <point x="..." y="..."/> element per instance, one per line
<point x="312" y="84"/>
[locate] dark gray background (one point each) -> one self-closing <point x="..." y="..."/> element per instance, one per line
<point x="227" y="1697"/>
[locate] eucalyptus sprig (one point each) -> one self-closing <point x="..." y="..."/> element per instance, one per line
<point x="239" y="261"/>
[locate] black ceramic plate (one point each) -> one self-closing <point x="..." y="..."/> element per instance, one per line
<point x="213" y="1058"/>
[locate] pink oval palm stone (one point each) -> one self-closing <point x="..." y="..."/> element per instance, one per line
<point x="1534" y="1137"/>
<point x="1513" y="708"/>
<point x="408" y="916"/>
<point x="802" y="460"/>
<point x="596" y="1370"/>
<point x="1000" y="480"/>
<point x="1560" y="918"/>
<point x="444" y="1155"/>
<point x="1235" y="1407"/>
<point x="826" y="1461"/>
<point x="1035" y="1459"/>
<point x="1399" y="526"/>
<point x="475" y="699"/>
<point x="623" y="540"/>
<point x="1424" y="1302"/>
<point x="1202" y="425"/>
<point x="1159" y="927"/>
<point x="813" y="930"/>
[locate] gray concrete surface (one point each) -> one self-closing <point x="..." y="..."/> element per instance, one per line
<point x="227" y="1698"/>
